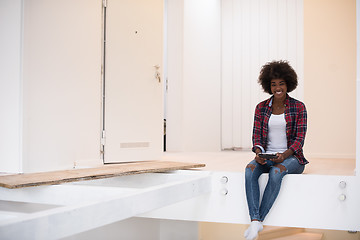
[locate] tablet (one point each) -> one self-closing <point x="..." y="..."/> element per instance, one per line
<point x="268" y="155"/>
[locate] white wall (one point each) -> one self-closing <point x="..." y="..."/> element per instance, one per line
<point x="10" y="85"/>
<point x="324" y="64"/>
<point x="50" y="84"/>
<point x="194" y="76"/>
<point x="174" y="94"/>
<point x="357" y="145"/>
<point x="253" y="33"/>
<point x="62" y="83"/>
<point x="214" y="58"/>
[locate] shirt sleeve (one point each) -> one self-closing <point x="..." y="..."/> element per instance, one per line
<point x="301" y="127"/>
<point x="256" y="138"/>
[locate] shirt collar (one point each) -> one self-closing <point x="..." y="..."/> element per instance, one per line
<point x="286" y="100"/>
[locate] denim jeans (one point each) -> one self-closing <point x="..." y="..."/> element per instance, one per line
<point x="276" y="172"/>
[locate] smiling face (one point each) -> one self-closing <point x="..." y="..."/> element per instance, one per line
<point x="278" y="88"/>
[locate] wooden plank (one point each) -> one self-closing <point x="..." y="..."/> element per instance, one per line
<point x="106" y="171"/>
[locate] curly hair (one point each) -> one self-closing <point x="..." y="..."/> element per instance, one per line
<point x="277" y="70"/>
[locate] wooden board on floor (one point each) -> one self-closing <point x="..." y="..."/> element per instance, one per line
<point x="106" y="171"/>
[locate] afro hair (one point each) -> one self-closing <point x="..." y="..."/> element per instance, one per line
<point x="277" y="70"/>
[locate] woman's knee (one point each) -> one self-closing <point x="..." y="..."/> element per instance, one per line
<point x="293" y="166"/>
<point x="250" y="168"/>
<point x="279" y="168"/>
<point x="252" y="165"/>
<point x="277" y="172"/>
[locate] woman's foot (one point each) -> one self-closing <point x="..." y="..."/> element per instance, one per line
<point x="252" y="232"/>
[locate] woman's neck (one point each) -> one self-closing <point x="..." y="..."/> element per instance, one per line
<point x="278" y="101"/>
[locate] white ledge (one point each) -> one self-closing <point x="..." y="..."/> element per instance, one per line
<point x="308" y="201"/>
<point x="88" y="205"/>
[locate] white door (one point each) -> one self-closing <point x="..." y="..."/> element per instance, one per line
<point x="133" y="93"/>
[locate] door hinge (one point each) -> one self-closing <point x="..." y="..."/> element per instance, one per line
<point x="105" y="3"/>
<point x="103" y="137"/>
<point x="167" y="85"/>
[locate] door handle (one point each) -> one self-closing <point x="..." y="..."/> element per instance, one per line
<point x="157" y="73"/>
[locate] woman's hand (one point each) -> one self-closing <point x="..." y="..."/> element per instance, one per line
<point x="280" y="158"/>
<point x="260" y="160"/>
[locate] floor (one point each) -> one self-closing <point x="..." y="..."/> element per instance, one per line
<point x="236" y="161"/>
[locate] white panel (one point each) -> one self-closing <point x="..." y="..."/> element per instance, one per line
<point x="262" y="31"/>
<point x="273" y="29"/>
<point x="235" y="61"/>
<point x="201" y="79"/>
<point x="245" y="79"/>
<point x="133" y="105"/>
<point x="314" y="195"/>
<point x="10" y="85"/>
<point x="194" y="63"/>
<point x="299" y="63"/>
<point x="358" y="88"/>
<point x="61" y="83"/>
<point x="293" y="35"/>
<point x="227" y="74"/>
<point x="264" y="43"/>
<point x="282" y="23"/>
<point x="254" y="68"/>
<point x="175" y="39"/>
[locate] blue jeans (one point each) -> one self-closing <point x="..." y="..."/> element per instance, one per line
<point x="276" y="173"/>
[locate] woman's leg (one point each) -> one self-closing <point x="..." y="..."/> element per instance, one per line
<point x="252" y="173"/>
<point x="276" y="174"/>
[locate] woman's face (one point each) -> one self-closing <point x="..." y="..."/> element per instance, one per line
<point x="279" y="88"/>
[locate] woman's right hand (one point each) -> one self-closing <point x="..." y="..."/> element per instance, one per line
<point x="259" y="159"/>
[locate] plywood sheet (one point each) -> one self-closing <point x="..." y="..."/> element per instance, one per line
<point x="106" y="171"/>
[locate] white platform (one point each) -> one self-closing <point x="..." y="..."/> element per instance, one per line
<point x="215" y="194"/>
<point x="58" y="211"/>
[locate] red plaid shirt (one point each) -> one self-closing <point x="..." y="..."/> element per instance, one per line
<point x="296" y="124"/>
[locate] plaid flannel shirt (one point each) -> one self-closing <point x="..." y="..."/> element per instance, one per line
<point x="296" y="124"/>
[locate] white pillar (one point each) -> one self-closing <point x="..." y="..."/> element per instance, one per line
<point x="11" y="24"/>
<point x="358" y="88"/>
<point x="194" y="59"/>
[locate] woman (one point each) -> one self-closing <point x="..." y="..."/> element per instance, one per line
<point x="280" y="124"/>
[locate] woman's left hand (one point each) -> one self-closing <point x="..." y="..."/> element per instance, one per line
<point x="280" y="158"/>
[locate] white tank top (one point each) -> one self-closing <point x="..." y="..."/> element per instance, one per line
<point x="277" y="141"/>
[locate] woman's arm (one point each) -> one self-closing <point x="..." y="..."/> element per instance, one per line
<point x="301" y="127"/>
<point x="256" y="137"/>
<point x="300" y="131"/>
